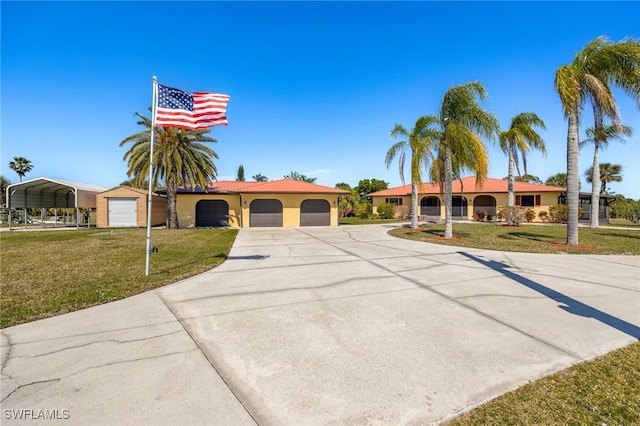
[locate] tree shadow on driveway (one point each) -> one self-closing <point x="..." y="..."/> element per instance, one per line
<point x="571" y="305"/>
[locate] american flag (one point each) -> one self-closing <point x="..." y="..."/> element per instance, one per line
<point x="193" y="111"/>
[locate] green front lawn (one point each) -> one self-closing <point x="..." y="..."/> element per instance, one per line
<point x="46" y="273"/>
<point x="599" y="392"/>
<point x="528" y="238"/>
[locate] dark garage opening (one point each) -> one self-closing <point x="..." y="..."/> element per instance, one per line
<point x="265" y="213"/>
<point x="315" y="213"/>
<point x="212" y="213"/>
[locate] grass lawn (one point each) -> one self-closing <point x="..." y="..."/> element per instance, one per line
<point x="528" y="238"/>
<point x="358" y="221"/>
<point x="624" y="223"/>
<point x="597" y="392"/>
<point x="46" y="273"/>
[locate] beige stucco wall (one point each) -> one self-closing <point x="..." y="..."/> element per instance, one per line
<point x="186" y="207"/>
<point x="158" y="212"/>
<point x="546" y="199"/>
<point x="239" y="205"/>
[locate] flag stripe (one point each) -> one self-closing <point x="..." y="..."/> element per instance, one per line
<point x="194" y="111"/>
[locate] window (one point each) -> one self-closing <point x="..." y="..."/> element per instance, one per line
<point x="394" y="201"/>
<point x="528" y="200"/>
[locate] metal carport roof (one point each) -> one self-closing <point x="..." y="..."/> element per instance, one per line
<point x="50" y="193"/>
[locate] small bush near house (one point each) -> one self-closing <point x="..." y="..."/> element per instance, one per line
<point x="479" y="215"/>
<point x="386" y="211"/>
<point x="374" y="216"/>
<point x="544" y="216"/>
<point x="558" y="213"/>
<point x="513" y="215"/>
<point x="362" y="211"/>
<point x="529" y="215"/>
<point x="402" y="212"/>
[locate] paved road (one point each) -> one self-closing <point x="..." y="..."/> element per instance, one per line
<point x="323" y="326"/>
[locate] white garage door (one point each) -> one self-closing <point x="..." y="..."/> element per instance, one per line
<point x="122" y="212"/>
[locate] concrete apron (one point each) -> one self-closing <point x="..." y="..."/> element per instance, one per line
<point x="319" y="326"/>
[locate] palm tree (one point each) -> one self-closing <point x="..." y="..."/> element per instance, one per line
<point x="240" y="177"/>
<point x="559" y="179"/>
<point x="520" y="138"/>
<point x="607" y="173"/>
<point x="21" y="166"/>
<point x="588" y="78"/>
<point x="4" y="183"/>
<point x="300" y="177"/>
<point x="599" y="137"/>
<point x="463" y="121"/>
<point x="179" y="158"/>
<point x="420" y="142"/>
<point x="259" y="178"/>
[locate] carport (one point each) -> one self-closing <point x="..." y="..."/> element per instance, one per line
<point x="44" y="193"/>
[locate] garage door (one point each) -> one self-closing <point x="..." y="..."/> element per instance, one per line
<point x="265" y="213"/>
<point x="122" y="212"/>
<point x="315" y="213"/>
<point x="212" y="213"/>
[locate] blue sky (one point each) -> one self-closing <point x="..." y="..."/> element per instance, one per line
<point x="315" y="87"/>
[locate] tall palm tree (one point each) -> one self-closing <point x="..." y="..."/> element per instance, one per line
<point x="21" y="166"/>
<point x="559" y="179"/>
<point x="588" y="78"/>
<point x="463" y="122"/>
<point x="180" y="158"/>
<point x="240" y="177"/>
<point x="520" y="138"/>
<point x="4" y="183"/>
<point x="607" y="173"/>
<point x="420" y="142"/>
<point x="259" y="178"/>
<point x="600" y="137"/>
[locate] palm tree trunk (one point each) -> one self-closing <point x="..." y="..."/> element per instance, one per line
<point x="573" y="188"/>
<point x="595" y="186"/>
<point x="172" y="211"/>
<point x="511" y="198"/>
<point x="448" y="195"/>
<point x="414" y="205"/>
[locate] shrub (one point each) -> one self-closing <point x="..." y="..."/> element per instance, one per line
<point x="529" y="215"/>
<point x="544" y="216"/>
<point x="558" y="213"/>
<point x="362" y="210"/>
<point x="402" y="212"/>
<point x="513" y="215"/>
<point x="386" y="211"/>
<point x="374" y="216"/>
<point x="479" y="215"/>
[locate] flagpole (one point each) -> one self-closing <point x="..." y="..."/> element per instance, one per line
<point x="151" y="143"/>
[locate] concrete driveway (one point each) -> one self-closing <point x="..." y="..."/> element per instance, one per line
<point x="323" y="326"/>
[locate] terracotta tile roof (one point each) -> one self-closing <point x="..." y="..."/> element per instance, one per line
<point x="272" y="187"/>
<point x="467" y="185"/>
<point x="290" y="186"/>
